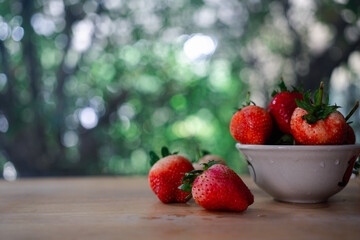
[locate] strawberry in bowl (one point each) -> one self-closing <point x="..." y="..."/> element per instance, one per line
<point x="251" y="124"/>
<point x="318" y="123"/>
<point x="282" y="106"/>
<point x="313" y="167"/>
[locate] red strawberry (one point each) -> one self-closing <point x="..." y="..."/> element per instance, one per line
<point x="251" y="125"/>
<point x="317" y="124"/>
<point x="220" y="188"/>
<point x="330" y="131"/>
<point x="283" y="105"/>
<point x="350" y="135"/>
<point x="166" y="174"/>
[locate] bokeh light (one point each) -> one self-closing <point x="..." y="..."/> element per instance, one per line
<point x="3" y="81"/>
<point x="4" y="124"/>
<point x="9" y="172"/>
<point x="88" y="118"/>
<point x="199" y="46"/>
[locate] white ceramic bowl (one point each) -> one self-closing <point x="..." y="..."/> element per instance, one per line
<point x="300" y="174"/>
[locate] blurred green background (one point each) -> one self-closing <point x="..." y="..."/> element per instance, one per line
<point x="90" y="87"/>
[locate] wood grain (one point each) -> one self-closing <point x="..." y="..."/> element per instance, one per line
<point x="125" y="208"/>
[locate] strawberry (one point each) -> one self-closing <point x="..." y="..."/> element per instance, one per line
<point x="207" y="157"/>
<point x="350" y="135"/>
<point x="217" y="187"/>
<point x="319" y="123"/>
<point x="166" y="174"/>
<point x="283" y="105"/>
<point x="251" y="125"/>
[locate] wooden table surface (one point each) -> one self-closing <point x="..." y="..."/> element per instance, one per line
<point x="125" y="208"/>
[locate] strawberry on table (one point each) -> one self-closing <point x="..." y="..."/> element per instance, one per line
<point x="318" y="123"/>
<point x="166" y="174"/>
<point x="282" y="106"/>
<point x="217" y="187"/>
<point x="251" y="124"/>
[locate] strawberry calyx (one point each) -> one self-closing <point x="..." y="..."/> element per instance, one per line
<point x="188" y="180"/>
<point x="164" y="153"/>
<point x="317" y="110"/>
<point x="248" y="102"/>
<point x="283" y="88"/>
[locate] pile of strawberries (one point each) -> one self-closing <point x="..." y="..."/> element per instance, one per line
<point x="292" y="117"/>
<point x="213" y="186"/>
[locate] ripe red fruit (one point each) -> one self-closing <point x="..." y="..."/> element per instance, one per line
<point x="282" y="107"/>
<point x="165" y="177"/>
<point x="251" y="125"/>
<point x="220" y="188"/>
<point x="330" y="131"/>
<point x="350" y="137"/>
<point x="317" y="123"/>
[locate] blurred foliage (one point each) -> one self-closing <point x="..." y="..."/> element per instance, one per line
<point x="90" y="87"/>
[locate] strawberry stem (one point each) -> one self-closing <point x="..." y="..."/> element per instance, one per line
<point x="321" y="94"/>
<point x="248" y="99"/>
<point x="352" y="111"/>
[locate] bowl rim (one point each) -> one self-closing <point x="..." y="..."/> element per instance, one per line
<point x="298" y="147"/>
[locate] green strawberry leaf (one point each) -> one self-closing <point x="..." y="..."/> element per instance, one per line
<point x="310" y="119"/>
<point x="165" y="151"/>
<point x="185" y="187"/>
<point x="209" y="164"/>
<point x="327" y="99"/>
<point x="205" y="152"/>
<point x="274" y="93"/>
<point x="188" y="180"/>
<point x="317" y="110"/>
<point x="283" y="88"/>
<point x="299" y="89"/>
<point x="316" y="98"/>
<point x="153" y="158"/>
